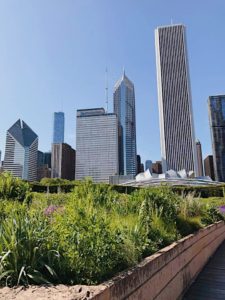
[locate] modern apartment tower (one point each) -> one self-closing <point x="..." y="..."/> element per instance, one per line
<point x="21" y="151"/>
<point x="216" y="108"/>
<point x="124" y="108"/>
<point x="97" y="144"/>
<point x="177" y="136"/>
<point x="58" y="128"/>
<point x="199" y="158"/>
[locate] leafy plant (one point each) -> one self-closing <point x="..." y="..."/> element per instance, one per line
<point x="12" y="187"/>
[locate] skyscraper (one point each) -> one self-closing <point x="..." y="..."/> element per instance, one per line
<point x="97" y="144"/>
<point x="199" y="158"/>
<point x="148" y="165"/>
<point x="174" y="98"/>
<point x="216" y="108"/>
<point x="43" y="165"/>
<point x="63" y="161"/>
<point x="58" y="129"/>
<point x="124" y="108"/>
<point x="21" y="151"/>
<point x="140" y="166"/>
<point x="208" y="167"/>
<point x="157" y="167"/>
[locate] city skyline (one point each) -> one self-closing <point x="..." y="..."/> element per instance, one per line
<point x="42" y="65"/>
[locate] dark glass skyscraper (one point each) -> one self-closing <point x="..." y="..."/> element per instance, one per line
<point x="58" y="129"/>
<point x="216" y="106"/>
<point x="174" y="98"/>
<point x="124" y="108"/>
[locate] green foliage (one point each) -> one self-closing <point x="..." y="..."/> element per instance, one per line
<point x="25" y="256"/>
<point x="88" y="235"/>
<point x="187" y="225"/>
<point x="12" y="188"/>
<point x="212" y="215"/>
<point x="200" y="191"/>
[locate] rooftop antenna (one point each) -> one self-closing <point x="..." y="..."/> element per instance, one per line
<point x="171" y="21"/>
<point x="106" y="89"/>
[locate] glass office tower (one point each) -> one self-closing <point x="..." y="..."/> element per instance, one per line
<point x="58" y="128"/>
<point x="216" y="108"/>
<point x="124" y="108"/>
<point x="97" y="144"/>
<point x="21" y="151"/>
<point x="177" y="136"/>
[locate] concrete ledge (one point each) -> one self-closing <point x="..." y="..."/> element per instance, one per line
<point x="168" y="273"/>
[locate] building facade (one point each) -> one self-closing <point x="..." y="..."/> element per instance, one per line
<point x="174" y="99"/>
<point x="63" y="161"/>
<point x="124" y="108"/>
<point x="21" y="151"/>
<point x="97" y="144"/>
<point x="199" y="158"/>
<point x="216" y="108"/>
<point x="209" y="167"/>
<point x="157" y="167"/>
<point x="58" y="128"/>
<point x="43" y="165"/>
<point x="148" y="165"/>
<point x="140" y="166"/>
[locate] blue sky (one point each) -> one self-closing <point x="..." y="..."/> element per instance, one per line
<point x="53" y="55"/>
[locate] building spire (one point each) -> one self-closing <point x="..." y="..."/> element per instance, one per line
<point x="106" y="90"/>
<point x="123" y="72"/>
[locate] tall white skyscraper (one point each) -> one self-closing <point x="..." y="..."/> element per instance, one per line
<point x="124" y="108"/>
<point x="177" y="135"/>
<point x="97" y="144"/>
<point x="21" y="151"/>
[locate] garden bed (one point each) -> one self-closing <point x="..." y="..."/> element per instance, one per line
<point x="91" y="234"/>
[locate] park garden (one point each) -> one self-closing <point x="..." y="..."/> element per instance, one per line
<point x="91" y="233"/>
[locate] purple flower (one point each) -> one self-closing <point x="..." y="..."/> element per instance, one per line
<point x="222" y="209"/>
<point x="50" y="210"/>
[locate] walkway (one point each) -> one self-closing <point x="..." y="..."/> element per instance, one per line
<point x="210" y="284"/>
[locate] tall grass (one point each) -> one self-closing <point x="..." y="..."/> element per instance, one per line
<point x="89" y="235"/>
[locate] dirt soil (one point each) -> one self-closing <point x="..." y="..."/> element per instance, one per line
<point x="58" y="292"/>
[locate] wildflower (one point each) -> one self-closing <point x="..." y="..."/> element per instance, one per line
<point x="50" y="210"/>
<point x="222" y="209"/>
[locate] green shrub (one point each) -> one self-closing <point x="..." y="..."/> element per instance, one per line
<point x="12" y="187"/>
<point x="212" y="215"/>
<point x="187" y="225"/>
